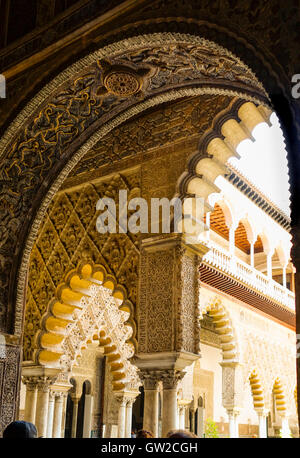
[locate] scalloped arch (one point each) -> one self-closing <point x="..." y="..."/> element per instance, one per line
<point x="279" y="395"/>
<point x="257" y="390"/>
<point x="215" y="148"/>
<point x="89" y="305"/>
<point x="224" y="328"/>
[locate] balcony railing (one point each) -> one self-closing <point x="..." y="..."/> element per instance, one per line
<point x="248" y="275"/>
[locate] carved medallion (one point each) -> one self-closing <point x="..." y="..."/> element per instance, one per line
<point x="122" y="84"/>
<point x="121" y="80"/>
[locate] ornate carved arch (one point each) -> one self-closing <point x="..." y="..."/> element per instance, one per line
<point x="56" y="129"/>
<point x="217" y="146"/>
<point x="224" y="328"/>
<point x="89" y="305"/>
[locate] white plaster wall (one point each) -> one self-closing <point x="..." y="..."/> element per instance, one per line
<point x="210" y="359"/>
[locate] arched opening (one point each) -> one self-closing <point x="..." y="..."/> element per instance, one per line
<point x="48" y="353"/>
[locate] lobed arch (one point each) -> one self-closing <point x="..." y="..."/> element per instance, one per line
<point x="257" y="390"/>
<point x="224" y="328"/>
<point x="249" y="226"/>
<point x="266" y="241"/>
<point x="89" y="305"/>
<point x="283" y="254"/>
<point x="279" y="396"/>
<point x="226" y="207"/>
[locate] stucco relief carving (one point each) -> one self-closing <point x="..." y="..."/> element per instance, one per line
<point x="9" y="383"/>
<point x="171" y="378"/>
<point x="168" y="303"/>
<point x="67" y="235"/>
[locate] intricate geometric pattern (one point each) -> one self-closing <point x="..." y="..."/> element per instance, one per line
<point x="68" y="235"/>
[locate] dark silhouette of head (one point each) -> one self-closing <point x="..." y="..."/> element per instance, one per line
<point x="180" y="433"/>
<point x="20" y="429"/>
<point x="143" y="433"/>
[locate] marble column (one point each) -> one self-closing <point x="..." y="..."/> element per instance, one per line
<point x="232" y="239"/>
<point x="122" y="401"/>
<point x="63" y="423"/>
<point x="285" y="429"/>
<point x="74" y="416"/>
<point x="252" y="254"/>
<point x="262" y="423"/>
<point x="88" y="412"/>
<point x="128" y="421"/>
<point x="50" y="413"/>
<point x="150" y="420"/>
<point x="200" y="422"/>
<point x="41" y="418"/>
<point x="269" y="264"/>
<point x="233" y="423"/>
<point x="58" y="413"/>
<point x="170" y="379"/>
<point x="192" y="413"/>
<point x="31" y="398"/>
<point x="284" y="275"/>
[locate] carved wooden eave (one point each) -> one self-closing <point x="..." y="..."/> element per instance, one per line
<point x="222" y="282"/>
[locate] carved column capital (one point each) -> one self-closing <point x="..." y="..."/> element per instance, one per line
<point x="43" y="383"/>
<point x="31" y="382"/>
<point x="124" y="399"/>
<point x="170" y="378"/>
<point x="150" y="379"/>
<point x="51" y="395"/>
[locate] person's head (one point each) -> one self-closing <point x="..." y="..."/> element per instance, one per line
<point x="180" y="433"/>
<point x="20" y="429"/>
<point x="143" y="433"/>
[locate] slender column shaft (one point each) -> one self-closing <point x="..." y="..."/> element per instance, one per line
<point x="150" y="420"/>
<point x="192" y="421"/>
<point x="88" y="409"/>
<point x="284" y="276"/>
<point x="169" y="414"/>
<point x="74" y="417"/>
<point x="122" y="419"/>
<point x="262" y="419"/>
<point x="285" y="429"/>
<point x="58" y="412"/>
<point x="63" y="423"/>
<point x="128" y="419"/>
<point x="231" y="240"/>
<point x="236" y="427"/>
<point x="232" y="429"/>
<point x="30" y="401"/>
<point x="269" y="265"/>
<point x="42" y="403"/>
<point x="170" y="379"/>
<point x="200" y="422"/>
<point x="252" y="254"/>
<point x="50" y="414"/>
